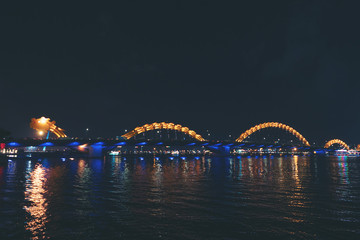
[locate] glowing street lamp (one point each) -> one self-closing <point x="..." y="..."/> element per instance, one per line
<point x="87" y="133"/>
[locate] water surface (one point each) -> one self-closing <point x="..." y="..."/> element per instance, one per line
<point x="291" y="197"/>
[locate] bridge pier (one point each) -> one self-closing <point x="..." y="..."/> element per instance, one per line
<point x="220" y="150"/>
<point x="96" y="151"/>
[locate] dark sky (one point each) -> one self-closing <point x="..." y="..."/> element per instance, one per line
<point x="218" y="65"/>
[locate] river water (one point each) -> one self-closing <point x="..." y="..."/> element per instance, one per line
<point x="289" y="197"/>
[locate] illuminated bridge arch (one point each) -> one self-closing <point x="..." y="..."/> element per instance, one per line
<point x="43" y="124"/>
<point x="336" y="141"/>
<point x="273" y="125"/>
<point x="163" y="125"/>
<point x="59" y="132"/>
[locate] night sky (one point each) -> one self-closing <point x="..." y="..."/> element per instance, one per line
<point x="218" y="65"/>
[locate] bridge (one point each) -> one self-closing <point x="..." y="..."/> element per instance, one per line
<point x="96" y="147"/>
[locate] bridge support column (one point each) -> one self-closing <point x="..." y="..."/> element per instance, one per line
<point x="225" y="150"/>
<point x="96" y="151"/>
<point x="221" y="150"/>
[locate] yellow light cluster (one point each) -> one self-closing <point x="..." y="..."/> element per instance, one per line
<point x="44" y="124"/>
<point x="273" y="125"/>
<point x="163" y="125"/>
<point x="336" y="141"/>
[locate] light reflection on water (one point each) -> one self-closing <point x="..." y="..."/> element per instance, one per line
<point x="34" y="194"/>
<point x="194" y="198"/>
<point x="343" y="169"/>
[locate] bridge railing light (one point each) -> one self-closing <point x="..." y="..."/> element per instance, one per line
<point x="13" y="144"/>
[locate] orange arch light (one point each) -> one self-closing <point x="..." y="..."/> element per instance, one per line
<point x="273" y="125"/>
<point x="44" y="124"/>
<point x="163" y="125"/>
<point x="336" y="141"/>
